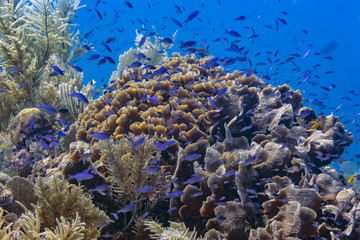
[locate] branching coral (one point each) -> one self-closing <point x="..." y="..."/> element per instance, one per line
<point x="59" y="200"/>
<point x="31" y="31"/>
<point x="176" y="231"/>
<point x="129" y="172"/>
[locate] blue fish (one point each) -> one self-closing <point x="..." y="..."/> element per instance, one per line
<point x="192" y="157"/>
<point x="160" y="71"/>
<point x="127" y="208"/>
<point x="44" y="145"/>
<point x="48" y="108"/>
<point x="153" y="99"/>
<point x="77" y="68"/>
<point x="145" y="190"/>
<point x="100" y="136"/>
<point x="175" y="194"/>
<point x="84" y="175"/>
<point x="164" y="146"/>
<point x="138" y="143"/>
<point x="57" y="69"/>
<point x="152" y="169"/>
<point x="79" y="96"/>
<point x="101" y="189"/>
<point x="191" y="16"/>
<point x="193" y="180"/>
<point x="176" y="22"/>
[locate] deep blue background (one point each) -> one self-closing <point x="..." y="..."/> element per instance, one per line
<point x="310" y="22"/>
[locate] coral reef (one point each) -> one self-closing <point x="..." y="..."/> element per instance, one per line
<point x="208" y="153"/>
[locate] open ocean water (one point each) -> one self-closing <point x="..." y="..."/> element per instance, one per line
<point x="311" y="45"/>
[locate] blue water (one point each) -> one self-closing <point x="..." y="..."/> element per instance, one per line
<point x="330" y="28"/>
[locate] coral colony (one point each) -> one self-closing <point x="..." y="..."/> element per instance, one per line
<point x="174" y="147"/>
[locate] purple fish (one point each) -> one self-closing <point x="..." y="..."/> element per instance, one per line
<point x="82" y="176"/>
<point x="93" y="57"/>
<point x="138" y="143"/>
<point x="100" y="136"/>
<point x="57" y="69"/>
<point x="79" y="96"/>
<point x="101" y="62"/>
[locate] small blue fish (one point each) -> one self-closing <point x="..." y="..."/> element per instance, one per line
<point x="229" y="173"/>
<point x="77" y="68"/>
<point x="3" y="90"/>
<point x="101" y="189"/>
<point x="192" y="157"/>
<point x="176" y="22"/>
<point x="109" y="60"/>
<point x="44" y="145"/>
<point x="193" y="180"/>
<point x="79" y="96"/>
<point x="127" y="208"/>
<point x="304" y="113"/>
<point x="142" y="40"/>
<point x="221" y="93"/>
<point x="249" y="160"/>
<point x="13" y="69"/>
<point x="175" y="194"/>
<point x="82" y="176"/>
<point x="138" y="143"/>
<point x="48" y="108"/>
<point x="160" y="71"/>
<point x="153" y="99"/>
<point x="145" y="190"/>
<point x="57" y="69"/>
<point x="100" y="136"/>
<point x="55" y="144"/>
<point x="63" y="121"/>
<point x="152" y="169"/>
<point x="136" y="64"/>
<point x="212" y="103"/>
<point x="284" y="145"/>
<point x="164" y="146"/>
<point x="191" y="16"/>
<point x="21" y="86"/>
